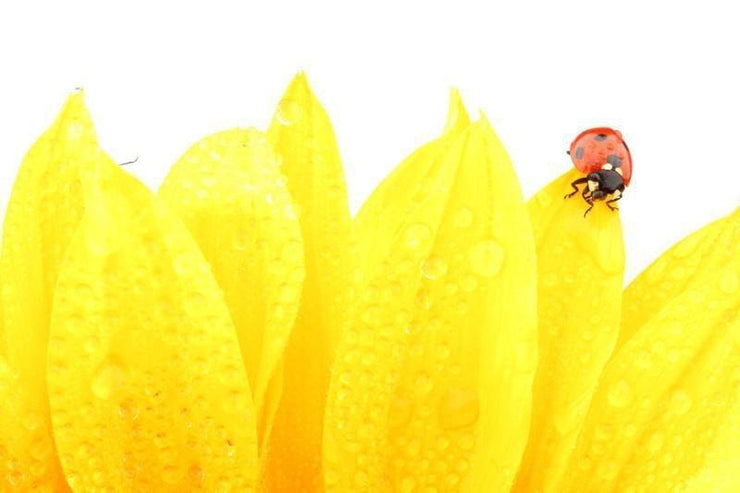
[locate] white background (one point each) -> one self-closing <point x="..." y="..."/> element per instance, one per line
<point x="158" y="76"/>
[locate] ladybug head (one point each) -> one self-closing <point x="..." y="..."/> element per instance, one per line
<point x="595" y="147"/>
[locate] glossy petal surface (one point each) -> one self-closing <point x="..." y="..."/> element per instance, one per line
<point x="146" y="383"/>
<point x="44" y="210"/>
<point x="302" y="135"/>
<point x="580" y="263"/>
<point x="667" y="278"/>
<point x="229" y="191"/>
<point x="666" y="404"/>
<point x="431" y="387"/>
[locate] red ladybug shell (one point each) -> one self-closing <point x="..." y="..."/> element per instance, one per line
<point x="595" y="147"/>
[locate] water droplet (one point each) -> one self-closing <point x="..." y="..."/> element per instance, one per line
<point x="463" y="218"/>
<point x="434" y="267"/>
<point x="408" y="485"/>
<point x="105" y="381"/>
<point x="171" y="474"/>
<point x="466" y="442"/>
<point x="680" y="402"/>
<point x="418" y="235"/>
<point x="609" y="471"/>
<point x="400" y="412"/>
<point x="685" y="247"/>
<point x="655" y="443"/>
<point x="423" y="384"/>
<point x="550" y="279"/>
<point x="289" y="112"/>
<point x="32" y="422"/>
<point x="92" y="344"/>
<point x="452" y="480"/>
<point x="293" y="251"/>
<point x="443" y="443"/>
<point x="16" y="477"/>
<point x="443" y="351"/>
<point x="459" y="408"/>
<point x="423" y="299"/>
<point x="128" y="410"/>
<point x="678" y="273"/>
<point x="469" y="284"/>
<point x="729" y="282"/>
<point x="620" y="394"/>
<point x="182" y="263"/>
<point x="486" y="258"/>
<point x="241" y="241"/>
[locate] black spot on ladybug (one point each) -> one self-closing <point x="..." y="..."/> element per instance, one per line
<point x="600" y="137"/>
<point x="579" y="153"/>
<point x="614" y="160"/>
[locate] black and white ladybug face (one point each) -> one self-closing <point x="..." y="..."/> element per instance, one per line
<point x="594" y="181"/>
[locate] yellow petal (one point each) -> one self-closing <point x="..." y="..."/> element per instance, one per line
<point x="43" y="213"/>
<point x="665" y="394"/>
<point x="302" y="134"/>
<point x="457" y="116"/>
<point x="230" y="192"/>
<point x="146" y="383"/>
<point x="431" y="387"/>
<point x="722" y="461"/>
<point x="379" y="218"/>
<point x="580" y="263"/>
<point x="667" y="277"/>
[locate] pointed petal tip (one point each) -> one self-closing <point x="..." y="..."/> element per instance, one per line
<point x="455" y="97"/>
<point x="75" y="98"/>
<point x="483" y="118"/>
<point x="457" y="116"/>
<point x="299" y="85"/>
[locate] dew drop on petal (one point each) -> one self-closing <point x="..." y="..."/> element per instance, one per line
<point x="678" y="273"/>
<point x="171" y="474"/>
<point x="434" y="267"/>
<point x="442" y="351"/>
<point x="486" y="258"/>
<point x="418" y="235"/>
<point x="686" y="247"/>
<point x="680" y="402"/>
<point x="423" y="384"/>
<point x="463" y="218"/>
<point x="729" y="282"/>
<point x="32" y="422"/>
<point x="400" y="412"/>
<point x="289" y="112"/>
<point x="469" y="284"/>
<point x="241" y="241"/>
<point x="105" y="381"/>
<point x="620" y="395"/>
<point x="458" y="408"/>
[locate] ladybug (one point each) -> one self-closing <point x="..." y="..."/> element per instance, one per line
<point x="604" y="157"/>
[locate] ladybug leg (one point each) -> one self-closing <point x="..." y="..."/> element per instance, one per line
<point x="588" y="195"/>
<point x="609" y="204"/>
<point x="590" y="201"/>
<point x="617" y="196"/>
<point x="575" y="184"/>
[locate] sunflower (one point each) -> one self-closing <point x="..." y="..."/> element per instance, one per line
<point x="238" y="331"/>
